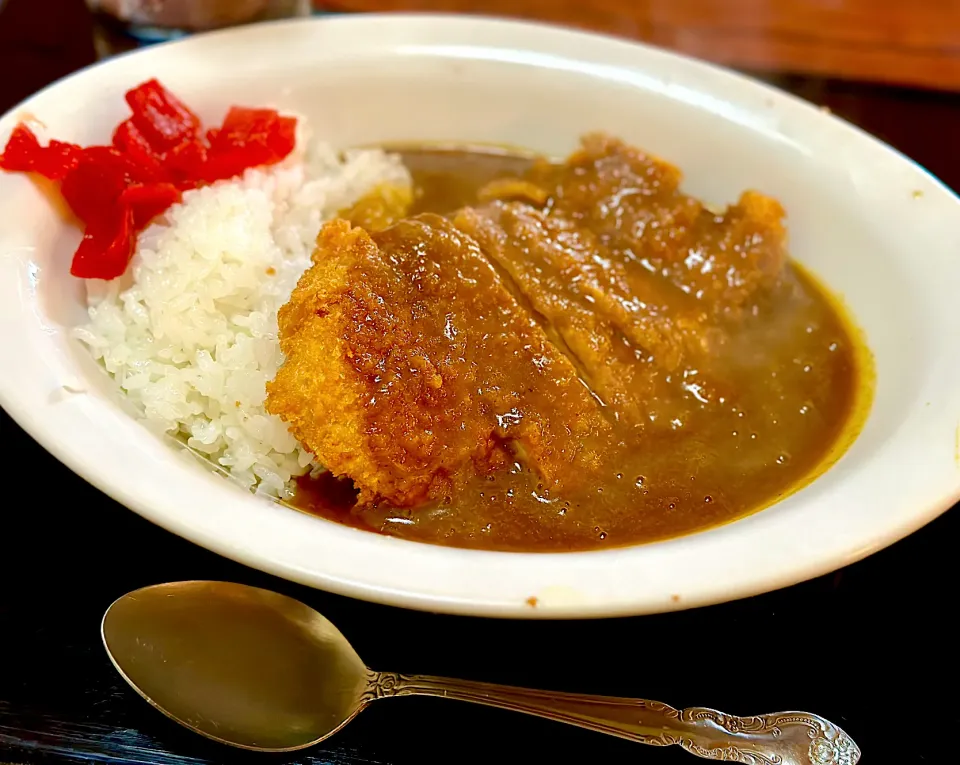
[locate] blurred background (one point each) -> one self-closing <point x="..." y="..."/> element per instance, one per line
<point x="909" y="43"/>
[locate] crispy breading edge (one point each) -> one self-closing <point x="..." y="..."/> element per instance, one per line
<point x="317" y="302"/>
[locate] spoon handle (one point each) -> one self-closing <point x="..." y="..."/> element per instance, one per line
<point x="785" y="738"/>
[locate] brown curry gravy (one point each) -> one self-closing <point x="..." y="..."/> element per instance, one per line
<point x="809" y="398"/>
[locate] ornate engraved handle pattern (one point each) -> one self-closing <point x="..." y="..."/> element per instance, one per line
<point x="785" y="738"/>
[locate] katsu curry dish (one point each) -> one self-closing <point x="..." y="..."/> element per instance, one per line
<point x="459" y="345"/>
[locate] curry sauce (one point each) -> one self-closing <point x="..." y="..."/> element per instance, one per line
<point x="697" y="399"/>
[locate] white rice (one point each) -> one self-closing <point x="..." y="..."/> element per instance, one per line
<point x="192" y="340"/>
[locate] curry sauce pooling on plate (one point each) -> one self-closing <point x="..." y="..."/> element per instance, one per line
<point x="538" y="356"/>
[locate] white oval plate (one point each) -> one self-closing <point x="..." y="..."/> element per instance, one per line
<point x="877" y="228"/>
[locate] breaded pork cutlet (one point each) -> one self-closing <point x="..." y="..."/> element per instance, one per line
<point x="410" y="368"/>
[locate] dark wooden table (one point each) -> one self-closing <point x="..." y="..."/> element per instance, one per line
<point x="872" y="647"/>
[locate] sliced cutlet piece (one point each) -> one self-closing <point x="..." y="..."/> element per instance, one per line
<point x="632" y="201"/>
<point x="626" y="330"/>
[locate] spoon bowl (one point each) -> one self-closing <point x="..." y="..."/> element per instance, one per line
<point x="262" y="671"/>
<point x="240" y="665"/>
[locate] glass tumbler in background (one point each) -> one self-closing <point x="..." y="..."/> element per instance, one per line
<point x="126" y="24"/>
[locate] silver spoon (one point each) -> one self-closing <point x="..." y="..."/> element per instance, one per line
<point x="262" y="671"/>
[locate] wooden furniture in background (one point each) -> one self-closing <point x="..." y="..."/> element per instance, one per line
<point x="903" y="43"/>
